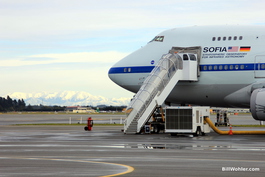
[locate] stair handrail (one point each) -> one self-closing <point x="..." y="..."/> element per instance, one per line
<point x="169" y="63"/>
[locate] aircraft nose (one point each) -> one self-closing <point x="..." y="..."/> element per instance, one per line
<point x="113" y="76"/>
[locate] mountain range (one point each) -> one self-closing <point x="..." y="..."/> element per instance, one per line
<point x="67" y="98"/>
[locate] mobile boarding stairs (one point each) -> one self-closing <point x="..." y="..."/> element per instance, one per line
<point x="171" y="68"/>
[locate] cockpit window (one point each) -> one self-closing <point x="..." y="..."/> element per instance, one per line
<point x="158" y="39"/>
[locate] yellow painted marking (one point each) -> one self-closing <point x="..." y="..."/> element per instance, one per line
<point x="129" y="168"/>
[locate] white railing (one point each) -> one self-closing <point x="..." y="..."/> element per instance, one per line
<point x="153" y="86"/>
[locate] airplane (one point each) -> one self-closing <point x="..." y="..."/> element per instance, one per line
<point x="231" y="66"/>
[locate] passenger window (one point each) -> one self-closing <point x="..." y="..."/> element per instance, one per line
<point x="210" y="67"/>
<point x="192" y="57"/>
<point x="240" y="37"/>
<point x="213" y="39"/>
<point x="229" y="38"/>
<point x="219" y="38"/>
<point x="224" y="38"/>
<point x="231" y="67"/>
<point x="185" y="57"/>
<point x="220" y="67"/>
<point x="226" y="67"/>
<point x="215" y="67"/>
<point x="242" y="66"/>
<point x="129" y="70"/>
<point x="262" y="66"/>
<point x="125" y="70"/>
<point x="205" y="68"/>
<point x="235" y="38"/>
<point x="236" y="67"/>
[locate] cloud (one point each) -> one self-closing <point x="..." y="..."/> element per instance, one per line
<point x="84" y="71"/>
<point x="70" y="45"/>
<point x="59" y="77"/>
<point x="66" y="18"/>
<point x="82" y="57"/>
<point x="38" y="59"/>
<point x="86" y="18"/>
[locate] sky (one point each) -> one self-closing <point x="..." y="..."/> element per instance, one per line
<point x="69" y="45"/>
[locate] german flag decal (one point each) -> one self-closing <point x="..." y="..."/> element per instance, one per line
<point x="245" y="49"/>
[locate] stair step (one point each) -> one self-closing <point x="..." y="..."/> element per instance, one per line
<point x="156" y="87"/>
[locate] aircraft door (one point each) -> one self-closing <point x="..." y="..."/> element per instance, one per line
<point x="190" y="67"/>
<point x="259" y="66"/>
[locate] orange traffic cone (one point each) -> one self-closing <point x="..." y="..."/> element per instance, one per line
<point x="230" y="131"/>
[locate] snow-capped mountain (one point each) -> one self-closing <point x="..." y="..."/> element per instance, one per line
<point x="67" y="98"/>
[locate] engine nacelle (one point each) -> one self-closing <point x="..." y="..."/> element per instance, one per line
<point x="257" y="104"/>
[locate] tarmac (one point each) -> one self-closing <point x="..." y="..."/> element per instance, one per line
<point x="36" y="150"/>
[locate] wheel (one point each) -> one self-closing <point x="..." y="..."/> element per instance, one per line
<point x="85" y="128"/>
<point x="198" y="132"/>
<point x="156" y="129"/>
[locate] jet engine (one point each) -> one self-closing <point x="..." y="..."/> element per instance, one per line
<point x="257" y="104"/>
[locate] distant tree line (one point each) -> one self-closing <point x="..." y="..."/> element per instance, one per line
<point x="43" y="108"/>
<point x="8" y="104"/>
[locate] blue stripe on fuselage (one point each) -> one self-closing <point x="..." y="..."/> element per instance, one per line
<point x="133" y="69"/>
<point x="203" y="68"/>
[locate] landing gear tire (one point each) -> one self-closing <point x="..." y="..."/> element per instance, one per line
<point x="198" y="132"/>
<point x="156" y="129"/>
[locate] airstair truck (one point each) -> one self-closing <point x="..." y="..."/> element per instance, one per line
<point x="186" y="120"/>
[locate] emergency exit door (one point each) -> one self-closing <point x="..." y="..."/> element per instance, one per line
<point x="259" y="66"/>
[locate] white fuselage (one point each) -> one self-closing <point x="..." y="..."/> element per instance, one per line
<point x="232" y="61"/>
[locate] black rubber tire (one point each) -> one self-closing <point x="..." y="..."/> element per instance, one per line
<point x="198" y="132"/>
<point x="156" y="129"/>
